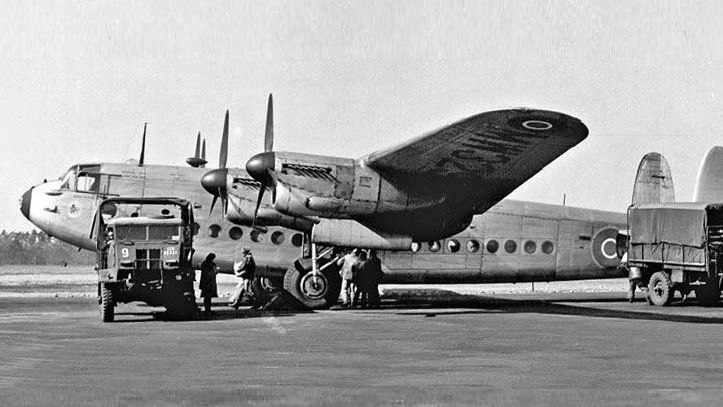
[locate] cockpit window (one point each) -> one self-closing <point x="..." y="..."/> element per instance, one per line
<point x="69" y="179"/>
<point x="88" y="182"/>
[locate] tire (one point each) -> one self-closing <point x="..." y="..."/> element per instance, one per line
<point x="320" y="292"/>
<point x="266" y="288"/>
<point x="708" y="295"/>
<point x="107" y="303"/>
<point x="660" y="289"/>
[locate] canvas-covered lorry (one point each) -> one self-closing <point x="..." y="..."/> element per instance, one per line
<point x="144" y="248"/>
<point x="676" y="247"/>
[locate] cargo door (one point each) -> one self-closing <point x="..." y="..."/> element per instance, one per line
<point x="573" y="248"/>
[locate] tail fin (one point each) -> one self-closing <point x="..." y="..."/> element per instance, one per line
<point x="654" y="182"/>
<point x="709" y="186"/>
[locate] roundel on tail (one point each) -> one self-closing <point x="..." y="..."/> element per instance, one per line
<point x="604" y="249"/>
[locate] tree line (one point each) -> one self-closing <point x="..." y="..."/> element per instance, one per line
<point x="36" y="247"/>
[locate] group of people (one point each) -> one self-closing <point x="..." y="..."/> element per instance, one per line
<point x="244" y="269"/>
<point x="361" y="274"/>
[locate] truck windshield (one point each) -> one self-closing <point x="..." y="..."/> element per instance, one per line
<point x="130" y="232"/>
<point x="165" y="233"/>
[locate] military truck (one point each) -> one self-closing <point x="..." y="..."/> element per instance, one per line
<point x="677" y="247"/>
<point x="144" y="248"/>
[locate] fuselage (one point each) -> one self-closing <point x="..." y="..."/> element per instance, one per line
<point x="512" y="241"/>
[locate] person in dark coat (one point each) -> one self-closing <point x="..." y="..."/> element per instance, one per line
<point x="207" y="283"/>
<point x="374" y="275"/>
<point x="361" y="281"/>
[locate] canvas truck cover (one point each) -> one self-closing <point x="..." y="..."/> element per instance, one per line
<point x="674" y="223"/>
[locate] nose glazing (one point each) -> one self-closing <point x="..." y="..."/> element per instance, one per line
<point x="25" y="203"/>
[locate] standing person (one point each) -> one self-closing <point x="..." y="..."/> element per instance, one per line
<point x="347" y="263"/>
<point x="375" y="273"/>
<point x="207" y="283"/>
<point x="245" y="270"/>
<point x="361" y="281"/>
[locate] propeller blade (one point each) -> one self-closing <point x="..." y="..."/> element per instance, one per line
<point x="143" y="146"/>
<point x="258" y="203"/>
<point x="198" y="146"/>
<point x="213" y="203"/>
<point x="203" y="150"/>
<point x="223" y="154"/>
<point x="272" y="174"/>
<point x="269" y="137"/>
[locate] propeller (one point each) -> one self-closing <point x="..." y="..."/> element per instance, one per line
<point x="198" y="159"/>
<point x="143" y="145"/>
<point x="214" y="181"/>
<point x="261" y="166"/>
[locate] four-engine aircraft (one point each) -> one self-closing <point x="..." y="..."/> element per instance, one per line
<point x="432" y="205"/>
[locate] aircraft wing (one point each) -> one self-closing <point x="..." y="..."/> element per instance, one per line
<point x="483" y="157"/>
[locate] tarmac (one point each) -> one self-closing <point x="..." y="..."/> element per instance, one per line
<point x="436" y="347"/>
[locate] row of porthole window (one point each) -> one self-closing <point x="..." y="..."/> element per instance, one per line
<point x="235" y="233"/>
<point x="492" y="246"/>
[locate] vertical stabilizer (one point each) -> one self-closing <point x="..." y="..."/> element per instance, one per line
<point x="709" y="186"/>
<point x="654" y="182"/>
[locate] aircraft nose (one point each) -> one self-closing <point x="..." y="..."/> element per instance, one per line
<point x="25" y="203"/>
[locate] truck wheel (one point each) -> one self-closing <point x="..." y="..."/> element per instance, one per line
<point x="660" y="289"/>
<point x="708" y="294"/>
<point x="107" y="303"/>
<point x="315" y="292"/>
<point x="265" y="288"/>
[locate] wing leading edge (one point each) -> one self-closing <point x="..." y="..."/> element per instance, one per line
<point x="483" y="157"/>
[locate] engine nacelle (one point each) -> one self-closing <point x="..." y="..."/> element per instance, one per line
<point x="350" y="233"/>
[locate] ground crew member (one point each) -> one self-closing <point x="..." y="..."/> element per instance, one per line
<point x="207" y="283"/>
<point x="361" y="281"/>
<point x="375" y="274"/>
<point x="347" y="287"/>
<point x="245" y="270"/>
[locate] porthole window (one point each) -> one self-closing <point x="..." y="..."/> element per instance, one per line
<point x="277" y="237"/>
<point x="255" y="236"/>
<point x="235" y="233"/>
<point x="196" y="228"/>
<point x="548" y="247"/>
<point x="530" y="247"/>
<point x="415" y="247"/>
<point x="510" y="246"/>
<point x="473" y="246"/>
<point x="297" y="240"/>
<point x="214" y="230"/>
<point x="453" y="245"/>
<point x="434" y="246"/>
<point x="492" y="246"/>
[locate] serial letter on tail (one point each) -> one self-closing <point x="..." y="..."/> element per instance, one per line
<point x="654" y="182"/>
<point x="709" y="186"/>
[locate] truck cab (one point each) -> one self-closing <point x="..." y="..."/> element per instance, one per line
<point x="144" y="251"/>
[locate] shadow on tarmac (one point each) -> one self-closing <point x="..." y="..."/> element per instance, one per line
<point x="435" y="298"/>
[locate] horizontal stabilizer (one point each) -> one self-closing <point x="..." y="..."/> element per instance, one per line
<point x="654" y="182"/>
<point x="709" y="185"/>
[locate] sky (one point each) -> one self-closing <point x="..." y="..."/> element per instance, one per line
<point x="79" y="78"/>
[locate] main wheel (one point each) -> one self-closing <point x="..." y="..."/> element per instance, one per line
<point x="708" y="295"/>
<point x="319" y="291"/>
<point x="107" y="303"/>
<point x="660" y="289"/>
<point x="265" y="288"/>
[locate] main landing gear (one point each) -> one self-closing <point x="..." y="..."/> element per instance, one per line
<point x="314" y="281"/>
